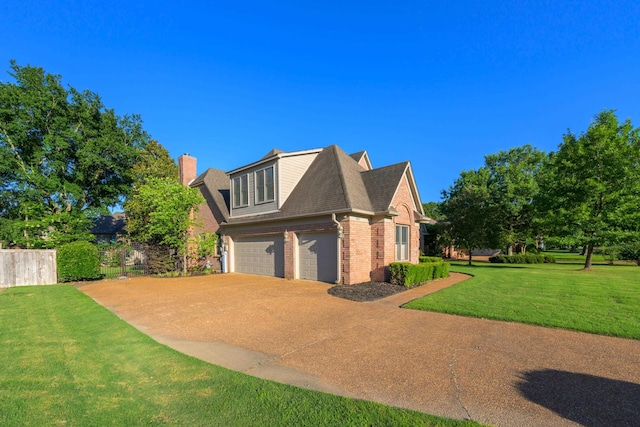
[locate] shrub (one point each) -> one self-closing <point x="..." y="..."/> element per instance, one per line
<point x="522" y="259"/>
<point x="78" y="261"/>
<point x="407" y="274"/>
<point x="429" y="259"/>
<point x="630" y="252"/>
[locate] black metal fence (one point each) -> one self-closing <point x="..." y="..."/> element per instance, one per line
<point x="134" y="259"/>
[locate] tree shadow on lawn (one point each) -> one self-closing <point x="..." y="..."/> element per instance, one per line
<point x="586" y="399"/>
<point x="488" y="265"/>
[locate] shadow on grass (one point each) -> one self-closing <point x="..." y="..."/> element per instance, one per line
<point x="489" y="265"/>
<point x="585" y="399"/>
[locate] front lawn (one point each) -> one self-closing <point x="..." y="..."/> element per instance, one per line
<point x="605" y="300"/>
<point x="68" y="361"/>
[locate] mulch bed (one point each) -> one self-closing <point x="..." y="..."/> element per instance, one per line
<point x="368" y="291"/>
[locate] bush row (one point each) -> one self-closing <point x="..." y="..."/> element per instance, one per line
<point x="78" y="261"/>
<point x="523" y="259"/>
<point x="407" y="274"/>
<point x="429" y="259"/>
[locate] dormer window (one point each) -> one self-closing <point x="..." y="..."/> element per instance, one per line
<point x="241" y="191"/>
<point x="264" y="185"/>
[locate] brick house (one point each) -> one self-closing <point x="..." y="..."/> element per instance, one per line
<point x="313" y="214"/>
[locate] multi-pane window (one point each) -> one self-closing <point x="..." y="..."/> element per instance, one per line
<point x="240" y="191"/>
<point x="264" y="185"/>
<point x="402" y="243"/>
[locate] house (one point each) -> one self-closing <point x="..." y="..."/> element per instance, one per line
<point x="317" y="214"/>
<point x="107" y="228"/>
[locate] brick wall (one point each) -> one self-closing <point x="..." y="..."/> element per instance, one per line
<point x="403" y="203"/>
<point x="356" y="250"/>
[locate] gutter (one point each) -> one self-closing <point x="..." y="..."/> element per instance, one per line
<point x="340" y="236"/>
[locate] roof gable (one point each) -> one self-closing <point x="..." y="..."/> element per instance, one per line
<point x="214" y="186"/>
<point x="363" y="159"/>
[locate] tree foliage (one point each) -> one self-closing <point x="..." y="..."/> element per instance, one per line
<point x="432" y="210"/>
<point x="591" y="185"/>
<point x="159" y="212"/>
<point x="64" y="157"/>
<point x="470" y="213"/>
<point x="513" y="186"/>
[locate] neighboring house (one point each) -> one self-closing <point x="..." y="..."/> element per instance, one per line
<point x="314" y="214"/>
<point x="107" y="228"/>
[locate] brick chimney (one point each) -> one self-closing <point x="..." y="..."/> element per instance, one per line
<point x="186" y="168"/>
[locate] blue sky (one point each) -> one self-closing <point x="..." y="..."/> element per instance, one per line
<point x="439" y="83"/>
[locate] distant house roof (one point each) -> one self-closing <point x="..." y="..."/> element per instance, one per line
<point x="335" y="182"/>
<point x="109" y="224"/>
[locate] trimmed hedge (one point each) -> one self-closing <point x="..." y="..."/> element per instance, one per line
<point x="407" y="274"/>
<point x="429" y="259"/>
<point x="523" y="259"/>
<point x="78" y="261"/>
<point x="630" y="252"/>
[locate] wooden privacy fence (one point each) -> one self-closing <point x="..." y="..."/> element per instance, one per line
<point x="22" y="267"/>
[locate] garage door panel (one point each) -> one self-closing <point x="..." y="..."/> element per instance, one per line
<point x="260" y="255"/>
<point x="317" y="257"/>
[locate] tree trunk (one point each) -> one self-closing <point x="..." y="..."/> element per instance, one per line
<point x="587" y="262"/>
<point x="584" y="250"/>
<point x="470" y="257"/>
<point x="510" y="250"/>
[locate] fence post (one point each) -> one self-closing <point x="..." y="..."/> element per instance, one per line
<point x="123" y="261"/>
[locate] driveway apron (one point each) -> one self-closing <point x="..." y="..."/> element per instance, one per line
<point x="292" y="331"/>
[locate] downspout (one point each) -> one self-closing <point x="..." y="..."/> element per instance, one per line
<point x="340" y="236"/>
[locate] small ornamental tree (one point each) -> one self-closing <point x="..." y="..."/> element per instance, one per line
<point x="160" y="212"/>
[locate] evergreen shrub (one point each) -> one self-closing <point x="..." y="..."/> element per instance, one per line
<point x="78" y="261"/>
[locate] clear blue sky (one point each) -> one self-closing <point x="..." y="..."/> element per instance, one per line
<point x="439" y="83"/>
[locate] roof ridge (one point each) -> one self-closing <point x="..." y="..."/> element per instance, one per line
<point x="345" y="190"/>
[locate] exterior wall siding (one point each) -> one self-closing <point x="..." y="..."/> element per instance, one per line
<point x="290" y="171"/>
<point x="253" y="208"/>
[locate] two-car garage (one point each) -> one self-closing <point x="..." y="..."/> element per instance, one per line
<point x="315" y="256"/>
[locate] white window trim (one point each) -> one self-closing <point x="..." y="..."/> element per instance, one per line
<point x="255" y="185"/>
<point x="406" y="244"/>
<point x="233" y="195"/>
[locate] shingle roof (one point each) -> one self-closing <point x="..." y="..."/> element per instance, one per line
<point x="272" y="153"/>
<point x="382" y="183"/>
<point x="334" y="182"/>
<point x="109" y="224"/>
<point x="214" y="186"/>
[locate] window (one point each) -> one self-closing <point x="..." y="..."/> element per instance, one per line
<point x="402" y="243"/>
<point x="240" y="191"/>
<point x="264" y="185"/>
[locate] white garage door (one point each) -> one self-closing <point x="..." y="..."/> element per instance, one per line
<point x="317" y="257"/>
<point x="262" y="255"/>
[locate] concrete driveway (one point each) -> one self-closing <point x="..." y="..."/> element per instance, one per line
<point x="498" y="373"/>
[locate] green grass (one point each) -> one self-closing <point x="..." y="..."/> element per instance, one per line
<point x="576" y="258"/>
<point x="605" y="300"/>
<point x="65" y="360"/>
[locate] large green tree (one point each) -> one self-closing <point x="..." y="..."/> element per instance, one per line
<point x="471" y="216"/>
<point x="513" y="186"/>
<point x="590" y="188"/>
<point x="64" y="157"/>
